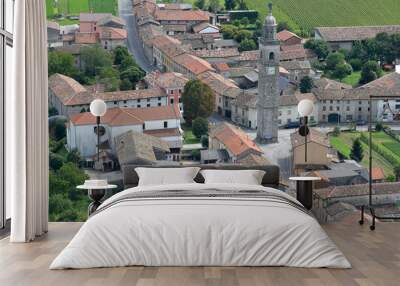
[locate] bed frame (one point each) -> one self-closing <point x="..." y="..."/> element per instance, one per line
<point x="270" y="179"/>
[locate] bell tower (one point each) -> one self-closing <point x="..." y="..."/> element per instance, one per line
<point x="268" y="87"/>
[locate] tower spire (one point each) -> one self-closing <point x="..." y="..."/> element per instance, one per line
<point x="270" y="8"/>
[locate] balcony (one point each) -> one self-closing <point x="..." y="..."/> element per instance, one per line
<point x="375" y="258"/>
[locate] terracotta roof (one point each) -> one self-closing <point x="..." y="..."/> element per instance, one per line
<point x="108" y="33"/>
<point x="74" y="49"/>
<point x="378" y="174"/>
<point x="253" y="160"/>
<point x="217" y="53"/>
<point x="222" y="67"/>
<point x="166" y="80"/>
<point x="68" y="37"/>
<point x="175" y="28"/>
<point x="293" y="52"/>
<point x="170" y="132"/>
<point x="130" y="94"/>
<point x="168" y="45"/>
<point x="288" y="100"/>
<point x="358" y="190"/>
<point x="67" y="89"/>
<point x="314" y="136"/>
<point x="234" y="139"/>
<point x="92" y="17"/>
<point x="201" y="26"/>
<point x="219" y="84"/>
<point x="286" y="35"/>
<point x="249" y="56"/>
<point x="126" y="116"/>
<point x="326" y="83"/>
<point x="111" y="18"/>
<point x="182" y="15"/>
<point x="245" y="99"/>
<point x="388" y="84"/>
<point x="86" y="38"/>
<point x="310" y="96"/>
<point x="343" y="34"/>
<point x="194" y="64"/>
<point x="296" y="65"/>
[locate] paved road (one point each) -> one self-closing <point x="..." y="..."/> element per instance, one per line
<point x="134" y="43"/>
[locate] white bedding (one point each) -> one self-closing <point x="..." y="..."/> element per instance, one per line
<point x="192" y="231"/>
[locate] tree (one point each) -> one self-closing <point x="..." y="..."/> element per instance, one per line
<point x="247" y="45"/>
<point x="204" y="141"/>
<point x="120" y="53"/>
<point x="242" y="5"/>
<point x="62" y="63"/>
<point x="319" y="47"/>
<point x="370" y="71"/>
<point x="306" y="84"/>
<point x="109" y="76"/>
<point x="59" y="129"/>
<point x="356" y="64"/>
<point x="55" y="161"/>
<point x="230" y="4"/>
<point x="333" y="60"/>
<point x="200" y="4"/>
<point x="342" y="70"/>
<point x="200" y="127"/>
<point x="396" y="171"/>
<point x="95" y="58"/>
<point x="283" y="26"/>
<point x="134" y="74"/>
<point x="214" y="6"/>
<point x="229" y="31"/>
<point x="357" y="152"/>
<point x="52" y="111"/>
<point x="125" y="84"/>
<point x="378" y="126"/>
<point x="74" y="157"/>
<point x="336" y="131"/>
<point x="198" y="100"/>
<point x="243" y="34"/>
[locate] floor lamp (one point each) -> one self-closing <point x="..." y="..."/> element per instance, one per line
<point x="305" y="109"/>
<point x="98" y="108"/>
<point x="370" y="205"/>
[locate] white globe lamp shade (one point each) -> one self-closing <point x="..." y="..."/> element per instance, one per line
<point x="98" y="107"/>
<point x="305" y="107"/>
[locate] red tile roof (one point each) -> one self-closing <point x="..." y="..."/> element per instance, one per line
<point x="286" y="35"/>
<point x="167" y="80"/>
<point x="67" y="89"/>
<point x="108" y="33"/>
<point x="182" y="15"/>
<point x="234" y="139"/>
<point x="127" y="116"/>
<point x="222" y="67"/>
<point x="92" y="17"/>
<point x="86" y="38"/>
<point x="193" y="64"/>
<point x="378" y="174"/>
<point x="219" y="84"/>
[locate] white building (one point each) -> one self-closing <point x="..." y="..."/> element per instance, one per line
<point x="162" y="122"/>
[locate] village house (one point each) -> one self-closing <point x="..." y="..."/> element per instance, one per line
<point x="70" y="97"/>
<point x="225" y="91"/>
<point x="74" y="50"/>
<point x="344" y="37"/>
<point x="297" y="69"/>
<point x="162" y="122"/>
<point x="190" y="65"/>
<point x="237" y="143"/>
<point x="54" y="38"/>
<point x="171" y="83"/>
<point x="183" y="21"/>
<point x="318" y="146"/>
<point x="288" y="38"/>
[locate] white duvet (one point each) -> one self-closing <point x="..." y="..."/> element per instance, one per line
<point x="200" y="232"/>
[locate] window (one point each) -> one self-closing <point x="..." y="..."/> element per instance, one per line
<point x="171" y="92"/>
<point x="124" y="101"/>
<point x="330" y="108"/>
<point x="271" y="56"/>
<point x="148" y="100"/>
<point x="159" y="104"/>
<point x="359" y="109"/>
<point x="172" y="101"/>
<point x="115" y="102"/>
<point x="165" y="124"/>
<point x="348" y="108"/>
<point x="180" y="99"/>
<point x="337" y="108"/>
<point x="349" y="117"/>
<point x="144" y="126"/>
<point x="159" y="98"/>
<point x="331" y="101"/>
<point x="324" y="108"/>
<point x="148" y="104"/>
<point x="289" y="112"/>
<point x="324" y="117"/>
<point x="6" y="44"/>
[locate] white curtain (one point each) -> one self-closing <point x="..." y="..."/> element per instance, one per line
<point x="27" y="130"/>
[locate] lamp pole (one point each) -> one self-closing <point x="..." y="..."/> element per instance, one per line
<point x="305" y="118"/>
<point x="98" y="108"/>
<point x="305" y="109"/>
<point x="98" y="138"/>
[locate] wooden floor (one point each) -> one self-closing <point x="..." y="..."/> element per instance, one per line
<point x="375" y="257"/>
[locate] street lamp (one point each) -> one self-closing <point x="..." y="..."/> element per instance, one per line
<point x="305" y="109"/>
<point x="98" y="108"/>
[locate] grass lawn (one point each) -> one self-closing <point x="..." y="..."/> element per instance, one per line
<point x="74" y="7"/>
<point x="344" y="142"/>
<point x="353" y="79"/>
<point x="188" y="137"/>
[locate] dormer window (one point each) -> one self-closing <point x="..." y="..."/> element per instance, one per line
<point x="271" y="56"/>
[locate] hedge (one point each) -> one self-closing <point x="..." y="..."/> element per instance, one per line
<point x="252" y="15"/>
<point x="382" y="150"/>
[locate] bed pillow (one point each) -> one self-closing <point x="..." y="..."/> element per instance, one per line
<point x="166" y="176"/>
<point x="245" y="177"/>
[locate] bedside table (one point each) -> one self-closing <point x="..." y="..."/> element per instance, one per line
<point x="96" y="193"/>
<point x="304" y="190"/>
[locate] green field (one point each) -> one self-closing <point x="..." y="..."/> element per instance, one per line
<point x="307" y="14"/>
<point x="188" y="137"/>
<point x="344" y="142"/>
<point x="74" y="7"/>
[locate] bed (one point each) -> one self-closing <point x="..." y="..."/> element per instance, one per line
<point x="197" y="224"/>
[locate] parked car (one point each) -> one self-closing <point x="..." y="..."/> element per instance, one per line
<point x="294" y="124"/>
<point x="361" y="123"/>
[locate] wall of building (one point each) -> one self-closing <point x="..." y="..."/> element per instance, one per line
<point x="316" y="154"/>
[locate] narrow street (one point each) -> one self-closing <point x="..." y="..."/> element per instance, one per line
<point x="133" y="42"/>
